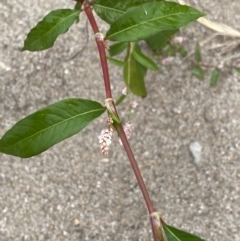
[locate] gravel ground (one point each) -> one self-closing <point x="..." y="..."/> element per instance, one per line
<point x="71" y="192"/>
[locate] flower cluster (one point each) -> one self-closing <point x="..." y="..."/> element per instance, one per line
<point x="128" y="127"/>
<point x="105" y="140"/>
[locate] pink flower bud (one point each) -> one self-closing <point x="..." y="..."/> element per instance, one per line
<point x="236" y="64"/>
<point x="109" y="121"/>
<point x="167" y="60"/>
<point x="134" y="104"/>
<point x="124" y="91"/>
<point x="178" y="40"/>
<point x="128" y="127"/>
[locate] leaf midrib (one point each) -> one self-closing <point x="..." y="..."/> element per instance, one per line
<point x="131" y="48"/>
<point x="75" y="12"/>
<point x="52" y="126"/>
<point x="172" y="233"/>
<point x="133" y="26"/>
<point x="108" y="8"/>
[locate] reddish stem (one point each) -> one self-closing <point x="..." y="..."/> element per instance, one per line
<point x="101" y="49"/>
<point x="135" y="169"/>
<point x="103" y="58"/>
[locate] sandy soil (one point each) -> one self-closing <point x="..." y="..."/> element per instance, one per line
<point x="71" y="192"/>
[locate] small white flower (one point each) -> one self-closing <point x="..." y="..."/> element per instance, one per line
<point x="134" y="104"/>
<point x="124" y="91"/>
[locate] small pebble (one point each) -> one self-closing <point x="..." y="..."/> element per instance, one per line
<point x="76" y="222"/>
<point x="196" y="150"/>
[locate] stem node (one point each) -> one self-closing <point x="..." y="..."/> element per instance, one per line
<point x="155" y="219"/>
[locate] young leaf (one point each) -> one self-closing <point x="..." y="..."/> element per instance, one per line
<point x="116" y="61"/>
<point x="198" y="72"/>
<point x="46" y="32"/>
<point x="183" y="52"/>
<point x="48" y="126"/>
<point x="237" y="69"/>
<point x="174" y="234"/>
<point x="214" y="77"/>
<point x="120" y="99"/>
<point x="144" y="21"/>
<point x="117" y="48"/>
<point x="134" y="73"/>
<point x="78" y="7"/>
<point x="197" y="54"/>
<point x="159" y="40"/>
<point x="110" y="10"/>
<point x="144" y="60"/>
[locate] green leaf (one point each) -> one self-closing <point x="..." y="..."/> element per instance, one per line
<point x="117" y="48"/>
<point x="121" y="99"/>
<point x="197" y="54"/>
<point x="78" y="7"/>
<point x="144" y="21"/>
<point x="134" y="73"/>
<point x="116" y="61"/>
<point x="237" y="69"/>
<point x="46" y="32"/>
<point x="144" y="60"/>
<point x="41" y="130"/>
<point x="214" y="77"/>
<point x="183" y="52"/>
<point x="110" y="10"/>
<point x="174" y="234"/>
<point x="159" y="40"/>
<point x="198" y="72"/>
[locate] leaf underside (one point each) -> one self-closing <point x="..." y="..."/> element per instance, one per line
<point x="159" y="40"/>
<point x="144" y="60"/>
<point x="134" y="73"/>
<point x="117" y="48"/>
<point x="115" y="61"/>
<point x="47" y="30"/>
<point x="48" y="126"/>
